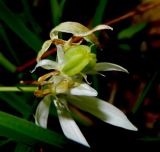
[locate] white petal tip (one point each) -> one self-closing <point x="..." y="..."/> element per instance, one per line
<point x="84" y="90"/>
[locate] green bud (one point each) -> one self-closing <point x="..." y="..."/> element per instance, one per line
<point x="92" y="62"/>
<point x="77" y="58"/>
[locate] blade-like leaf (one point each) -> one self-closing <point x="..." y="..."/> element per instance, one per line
<point x="103" y="110"/>
<point x="27" y="132"/>
<point x="17" y="102"/>
<point x="57" y="10"/>
<point x="83" y="90"/>
<point x="99" y="13"/>
<point x="17" y="26"/>
<point x="7" y="64"/>
<point x="42" y="112"/>
<point x="3" y="34"/>
<point x="69" y="126"/>
<point x="131" y="31"/>
<point x="22" y="147"/>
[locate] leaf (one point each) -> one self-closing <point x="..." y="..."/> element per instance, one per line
<point x="17" y="26"/>
<point x="144" y="92"/>
<point x="17" y="102"/>
<point x="83" y="90"/>
<point x="69" y="127"/>
<point x="27" y="132"/>
<point x="7" y="64"/>
<point x="57" y="10"/>
<point x="103" y="110"/>
<point x="131" y="31"/>
<point x="22" y="147"/>
<point x="3" y="34"/>
<point x="99" y="13"/>
<point x="42" y="112"/>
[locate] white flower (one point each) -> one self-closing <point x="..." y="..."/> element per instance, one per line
<point x="64" y="90"/>
<point x="65" y="85"/>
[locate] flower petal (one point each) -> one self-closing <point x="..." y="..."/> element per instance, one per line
<point x="45" y="47"/>
<point x="69" y="126"/>
<point x="103" y="110"/>
<point x="83" y="90"/>
<point x="46" y="64"/>
<point x="106" y="66"/>
<point x="73" y="28"/>
<point x="42" y="111"/>
<point x="97" y="28"/>
<point x="60" y="54"/>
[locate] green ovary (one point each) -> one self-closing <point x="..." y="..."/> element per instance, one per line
<point x="78" y="58"/>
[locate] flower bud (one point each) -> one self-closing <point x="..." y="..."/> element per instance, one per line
<point x="77" y="58"/>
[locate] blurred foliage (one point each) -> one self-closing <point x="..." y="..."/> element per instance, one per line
<point x="134" y="43"/>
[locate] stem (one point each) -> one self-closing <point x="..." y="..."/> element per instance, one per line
<point x="141" y="9"/>
<point x="17" y="89"/>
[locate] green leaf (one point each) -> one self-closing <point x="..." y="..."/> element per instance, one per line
<point x="7" y="64"/>
<point x="8" y="45"/>
<point x="125" y="47"/>
<point x="22" y="148"/>
<point x="131" y="31"/>
<point x="17" y="26"/>
<point x="57" y="9"/>
<point x="144" y="93"/>
<point x="97" y="19"/>
<point x="29" y="16"/>
<point x="16" y="102"/>
<point x="103" y="110"/>
<point x="27" y="132"/>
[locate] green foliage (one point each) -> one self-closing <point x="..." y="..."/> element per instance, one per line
<point x="17" y="26"/>
<point x="131" y="31"/>
<point x="27" y="132"/>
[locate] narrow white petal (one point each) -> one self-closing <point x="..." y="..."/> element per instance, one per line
<point x="46" y="64"/>
<point x="69" y="126"/>
<point x="103" y="110"/>
<point x="45" y="47"/>
<point x="42" y="111"/>
<point x="106" y="66"/>
<point x="97" y="28"/>
<point x="83" y="90"/>
<point x="60" y="54"/>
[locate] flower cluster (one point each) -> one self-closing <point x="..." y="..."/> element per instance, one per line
<point x="66" y="84"/>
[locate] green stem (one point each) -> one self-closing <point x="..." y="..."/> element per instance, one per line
<point x="17" y="89"/>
